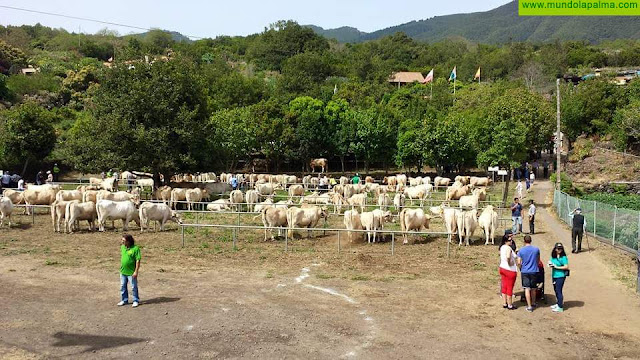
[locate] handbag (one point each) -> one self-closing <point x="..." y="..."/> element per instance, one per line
<point x="567" y="273"/>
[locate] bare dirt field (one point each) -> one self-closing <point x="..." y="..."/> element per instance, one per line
<point x="208" y="300"/>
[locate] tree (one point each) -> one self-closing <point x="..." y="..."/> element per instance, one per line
<point x="149" y="117"/>
<point x="337" y="113"/>
<point x="27" y="135"/>
<point x="375" y="140"/>
<point x="313" y="131"/>
<point x="626" y="127"/>
<point x="235" y="135"/>
<point x="447" y="143"/>
<point x="11" y="58"/>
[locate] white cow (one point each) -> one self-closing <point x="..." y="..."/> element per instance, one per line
<point x="118" y="196"/>
<point x="160" y="213"/>
<point x="265" y="204"/>
<point x="304" y="217"/>
<point x="441" y="181"/>
<point x="372" y="221"/>
<point x="296" y="190"/>
<point x="384" y="201"/>
<point x="413" y="219"/>
<point x="480" y="181"/>
<point x="40" y="195"/>
<point x="418" y="192"/>
<point x="67" y="195"/>
<point x="6" y="208"/>
<point x="358" y="200"/>
<point x="109" y="184"/>
<point x="177" y="194"/>
<point x="124" y="210"/>
<point x="219" y="205"/>
<point x="236" y="197"/>
<point x="488" y="222"/>
<point x="274" y="217"/>
<point x="398" y="201"/>
<point x="467" y="224"/>
<point x="251" y="198"/>
<point x="352" y="222"/>
<point x="283" y="204"/>
<point x="195" y="195"/>
<point x="58" y="213"/>
<point x="469" y="201"/>
<point x="450" y="217"/>
<point x="265" y="189"/>
<point x="80" y="211"/>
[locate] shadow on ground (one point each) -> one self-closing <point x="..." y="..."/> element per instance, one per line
<point x="93" y="342"/>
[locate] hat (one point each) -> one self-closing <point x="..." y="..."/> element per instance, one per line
<point x="508" y="232"/>
<point x="558" y="245"/>
<point x="579" y="209"/>
<point x="48" y="171"/>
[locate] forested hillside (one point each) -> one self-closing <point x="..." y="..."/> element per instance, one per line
<point x="502" y="25"/>
<point x="287" y="95"/>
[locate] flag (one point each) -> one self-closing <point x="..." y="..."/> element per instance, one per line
<point x="429" y="77"/>
<point x="453" y="74"/>
<point x="477" y="75"/>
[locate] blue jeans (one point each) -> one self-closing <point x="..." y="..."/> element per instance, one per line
<point x="558" y="284"/>
<point x="124" y="293"/>
<point x="516" y="223"/>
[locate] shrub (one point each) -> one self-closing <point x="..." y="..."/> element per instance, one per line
<point x="627" y="201"/>
<point x="581" y="149"/>
<point x="30" y="85"/>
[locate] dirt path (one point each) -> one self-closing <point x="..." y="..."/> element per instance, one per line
<point x="594" y="298"/>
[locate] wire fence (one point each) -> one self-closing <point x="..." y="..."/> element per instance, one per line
<point x="616" y="226"/>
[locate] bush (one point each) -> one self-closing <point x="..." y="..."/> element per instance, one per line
<point x="30" y="85"/>
<point x="581" y="149"/>
<point x="627" y="201"/>
<point x="566" y="184"/>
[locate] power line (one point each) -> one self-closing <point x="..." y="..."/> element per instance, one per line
<point x="86" y="19"/>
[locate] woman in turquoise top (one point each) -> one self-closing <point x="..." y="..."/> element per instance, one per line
<point x="560" y="268"/>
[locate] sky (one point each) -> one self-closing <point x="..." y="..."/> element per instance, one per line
<point x="244" y="17"/>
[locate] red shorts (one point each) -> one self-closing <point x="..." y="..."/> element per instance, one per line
<point x="508" y="280"/>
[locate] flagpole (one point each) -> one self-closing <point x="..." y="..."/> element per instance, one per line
<point x="431" y="94"/>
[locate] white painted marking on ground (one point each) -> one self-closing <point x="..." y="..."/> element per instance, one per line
<point x="281" y="285"/>
<point x="332" y="292"/>
<point x="189" y="328"/>
<point x="368" y="318"/>
<point x="225" y="309"/>
<point x="303" y="275"/>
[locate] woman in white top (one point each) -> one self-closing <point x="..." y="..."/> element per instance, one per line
<point x="508" y="271"/>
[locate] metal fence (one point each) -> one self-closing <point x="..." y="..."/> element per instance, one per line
<point x="616" y="226"/>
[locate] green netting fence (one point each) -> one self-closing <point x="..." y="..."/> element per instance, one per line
<point x="617" y="226"/>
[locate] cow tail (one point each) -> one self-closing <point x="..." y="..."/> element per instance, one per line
<point x="403" y="226"/>
<point x="53" y="214"/>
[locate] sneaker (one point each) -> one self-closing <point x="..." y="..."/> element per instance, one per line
<point x="530" y="309"/>
<point x="554" y="306"/>
<point x="504" y="306"/>
<point x="512" y="307"/>
<point x="121" y="303"/>
<point x="558" y="309"/>
<point x="135" y="304"/>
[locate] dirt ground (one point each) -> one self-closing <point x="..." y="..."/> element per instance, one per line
<point x="208" y="300"/>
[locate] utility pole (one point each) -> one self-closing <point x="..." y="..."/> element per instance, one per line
<point x="558" y="134"/>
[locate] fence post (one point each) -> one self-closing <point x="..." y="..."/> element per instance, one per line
<point x="615" y="216"/>
<point x="286" y="240"/>
<point x="393" y="243"/>
<point x="595" y="216"/>
<point x="33" y="215"/>
<point x="338" y="241"/>
<point x="182" y="227"/>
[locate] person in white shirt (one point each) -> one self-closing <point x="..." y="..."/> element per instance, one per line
<point x="508" y="272"/>
<point x="532" y="217"/>
<point x="519" y="189"/>
<point x="21" y="185"/>
<point x="532" y="177"/>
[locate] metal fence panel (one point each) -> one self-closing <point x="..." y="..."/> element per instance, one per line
<point x="617" y="226"/>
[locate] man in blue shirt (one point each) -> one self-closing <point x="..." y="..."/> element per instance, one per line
<point x="528" y="258"/>
<point x="234" y="182"/>
<point x="516" y="216"/>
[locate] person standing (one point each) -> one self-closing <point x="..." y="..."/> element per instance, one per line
<point x="40" y="178"/>
<point x="56" y="172"/>
<point x="129" y="267"/>
<point x="508" y="272"/>
<point x="528" y="258"/>
<point x="49" y="177"/>
<point x="532" y="177"/>
<point x="534" y="169"/>
<point x="577" y="230"/>
<point x="532" y="217"/>
<point x="234" y="182"/>
<point x="5" y="180"/>
<point x="356" y="179"/>
<point x="560" y="268"/>
<point x="545" y="169"/>
<point x="516" y="216"/>
<point x="21" y="184"/>
<point x="519" y="189"/>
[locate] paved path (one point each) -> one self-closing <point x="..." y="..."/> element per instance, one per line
<point x="592" y="296"/>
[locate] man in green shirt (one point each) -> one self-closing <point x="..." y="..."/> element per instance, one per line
<point x="56" y="172"/>
<point x="129" y="266"/>
<point x="356" y="179"/>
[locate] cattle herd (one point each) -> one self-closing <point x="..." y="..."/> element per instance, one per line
<point x="101" y="201"/>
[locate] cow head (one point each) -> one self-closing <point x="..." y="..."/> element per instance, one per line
<point x="437" y="210"/>
<point x="176" y="217"/>
<point x="324" y="213"/>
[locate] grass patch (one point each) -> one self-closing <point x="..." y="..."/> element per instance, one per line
<point x="360" y="278"/>
<point x="324" y="276"/>
<point x="49" y="262"/>
<point x="269" y="275"/>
